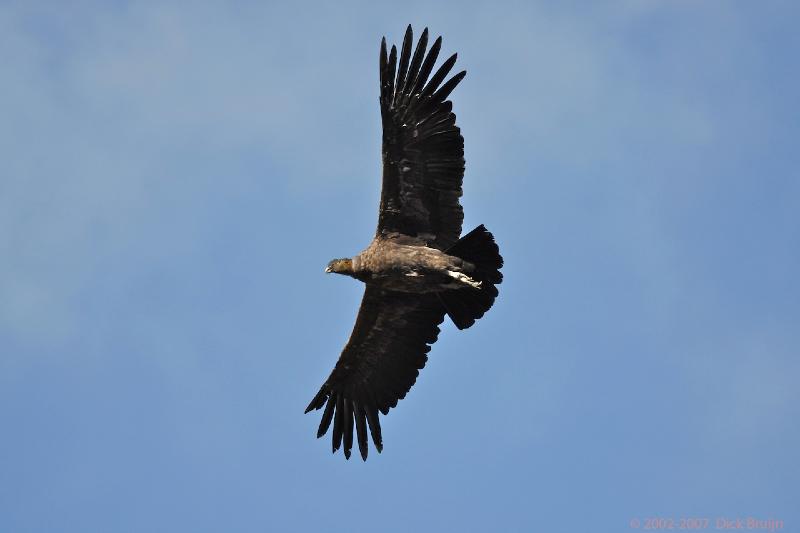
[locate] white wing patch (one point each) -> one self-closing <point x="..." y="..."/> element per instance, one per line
<point x="463" y="278"/>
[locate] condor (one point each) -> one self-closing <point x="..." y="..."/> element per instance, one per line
<point x="416" y="269"/>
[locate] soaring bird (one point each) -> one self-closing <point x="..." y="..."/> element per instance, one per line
<point x="416" y="269"/>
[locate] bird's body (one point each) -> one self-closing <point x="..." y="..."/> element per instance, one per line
<point x="401" y="263"/>
<point x="416" y="269"/>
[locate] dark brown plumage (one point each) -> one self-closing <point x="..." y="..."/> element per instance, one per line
<point x="416" y="269"/>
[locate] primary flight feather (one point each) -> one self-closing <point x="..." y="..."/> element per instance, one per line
<point x="416" y="269"/>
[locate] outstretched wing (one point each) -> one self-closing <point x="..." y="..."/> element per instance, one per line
<point x="381" y="361"/>
<point x="423" y="150"/>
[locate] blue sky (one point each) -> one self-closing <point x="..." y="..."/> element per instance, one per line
<point x="175" y="178"/>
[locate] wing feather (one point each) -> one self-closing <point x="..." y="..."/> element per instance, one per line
<point x="338" y="421"/>
<point x="348" y="426"/>
<point x="374" y="426"/>
<point x="327" y="416"/>
<point x="361" y="429"/>
<point x="427" y="66"/>
<point x="405" y="54"/>
<point x="416" y="62"/>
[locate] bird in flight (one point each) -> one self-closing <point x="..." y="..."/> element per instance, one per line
<point x="416" y="269"/>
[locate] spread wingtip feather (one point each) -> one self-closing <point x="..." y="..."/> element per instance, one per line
<point x="327" y="416"/>
<point x="348" y="428"/>
<point x="338" y="423"/>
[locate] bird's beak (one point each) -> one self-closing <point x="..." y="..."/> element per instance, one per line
<point x="328" y="270"/>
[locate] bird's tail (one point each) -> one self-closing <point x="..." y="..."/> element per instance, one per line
<point x="465" y="305"/>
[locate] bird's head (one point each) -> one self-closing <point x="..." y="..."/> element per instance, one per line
<point x="340" y="266"/>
